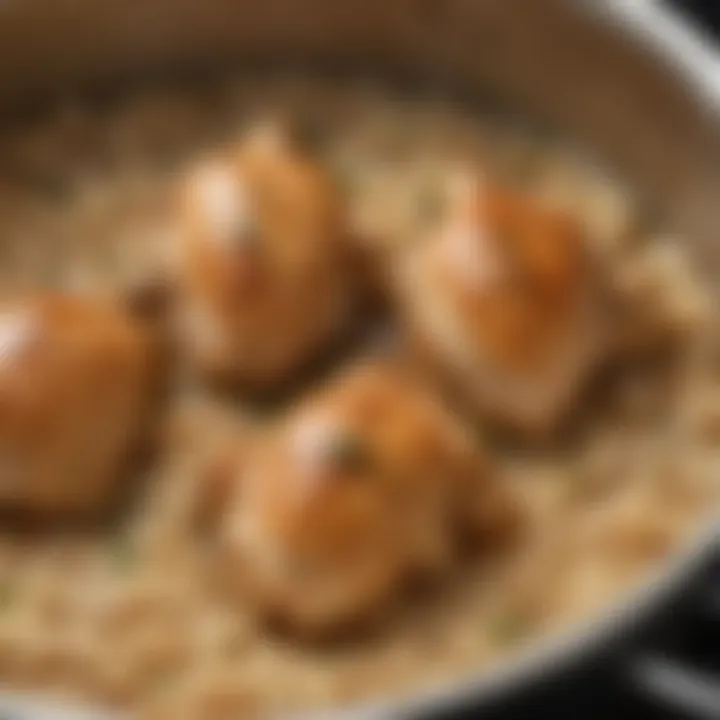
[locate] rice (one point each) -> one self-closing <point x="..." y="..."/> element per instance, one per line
<point x="129" y="618"/>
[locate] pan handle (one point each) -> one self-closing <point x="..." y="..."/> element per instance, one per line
<point x="665" y="678"/>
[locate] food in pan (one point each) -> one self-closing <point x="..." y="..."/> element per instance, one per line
<point x="508" y="300"/>
<point x="366" y="486"/>
<point x="77" y="379"/>
<point x="264" y="279"/>
<point x="382" y="496"/>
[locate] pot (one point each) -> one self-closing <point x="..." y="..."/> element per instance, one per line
<point x="626" y="77"/>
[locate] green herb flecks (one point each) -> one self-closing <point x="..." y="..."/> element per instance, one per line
<point x="122" y="554"/>
<point x="348" y="453"/>
<point x="510" y="627"/>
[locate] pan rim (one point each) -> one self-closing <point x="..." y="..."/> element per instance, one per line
<point x="665" y="32"/>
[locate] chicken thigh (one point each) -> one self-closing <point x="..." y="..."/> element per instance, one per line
<point x="76" y="380"/>
<point x="264" y="276"/>
<point x="364" y="486"/>
<point x="506" y="302"/>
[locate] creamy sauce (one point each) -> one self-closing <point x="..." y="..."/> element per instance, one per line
<point x="132" y="618"/>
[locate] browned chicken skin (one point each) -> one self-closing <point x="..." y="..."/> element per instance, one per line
<point x="366" y="485"/>
<point x="76" y="377"/>
<point x="505" y="301"/>
<point x="264" y="278"/>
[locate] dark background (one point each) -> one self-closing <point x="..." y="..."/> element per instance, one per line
<point x="706" y="11"/>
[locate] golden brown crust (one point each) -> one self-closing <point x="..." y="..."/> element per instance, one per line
<point x="264" y="273"/>
<point x="365" y="485"/>
<point x="76" y="380"/>
<point x="505" y="302"/>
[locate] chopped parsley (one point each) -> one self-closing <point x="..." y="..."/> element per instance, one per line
<point x="348" y="453"/>
<point x="510" y="626"/>
<point x="121" y="553"/>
